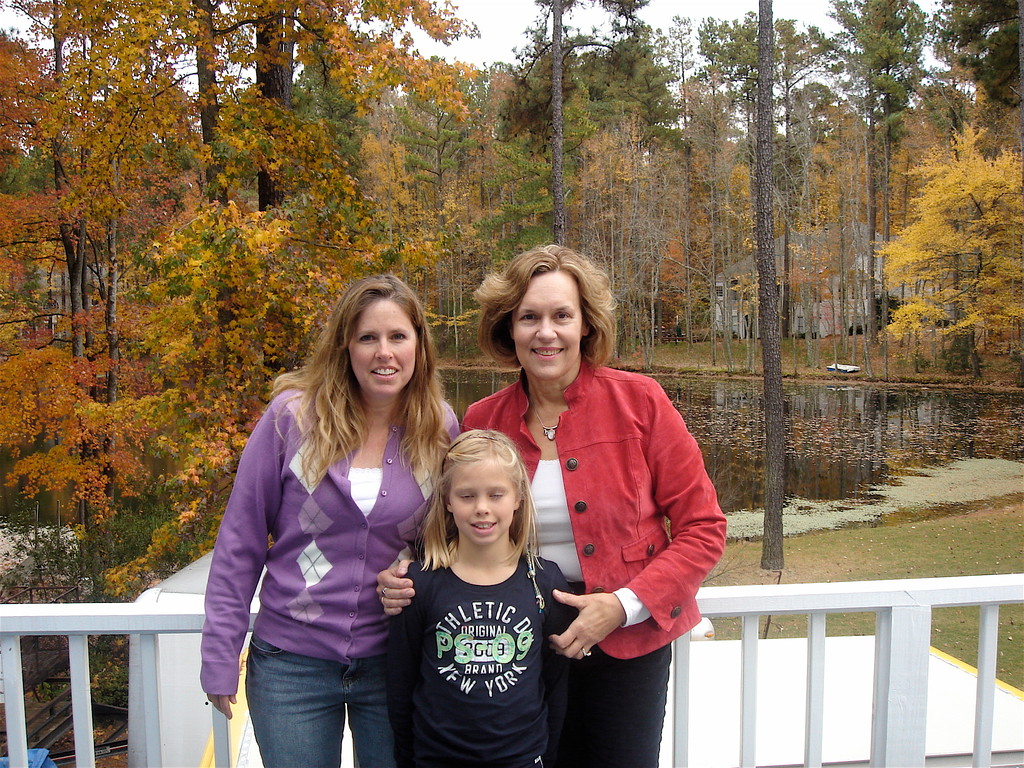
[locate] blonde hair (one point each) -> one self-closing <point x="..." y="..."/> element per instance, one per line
<point x="501" y="293"/>
<point x="440" y="535"/>
<point x="330" y="410"/>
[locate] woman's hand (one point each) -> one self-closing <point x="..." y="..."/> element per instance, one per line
<point x="600" y="613"/>
<point x="395" y="591"/>
<point x="222" y="702"/>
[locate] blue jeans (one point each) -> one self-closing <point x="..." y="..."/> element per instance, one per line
<point x="298" y="706"/>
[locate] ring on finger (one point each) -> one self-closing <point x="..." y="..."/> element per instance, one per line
<point x="586" y="651"/>
<point x="383" y="592"/>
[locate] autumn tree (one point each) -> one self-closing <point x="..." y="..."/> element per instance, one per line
<point x="437" y="143"/>
<point x="627" y="208"/>
<point x="281" y="205"/>
<point x="109" y="122"/>
<point x="716" y="133"/>
<point x="262" y="273"/>
<point x="800" y="62"/>
<point x="960" y="256"/>
<point x="885" y="41"/>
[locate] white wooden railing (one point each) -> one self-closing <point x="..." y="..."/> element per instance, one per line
<point x="902" y="640"/>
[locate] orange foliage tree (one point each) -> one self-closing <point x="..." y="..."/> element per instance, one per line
<point x="174" y="294"/>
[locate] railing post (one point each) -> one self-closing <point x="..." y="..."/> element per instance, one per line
<point x="14" y="701"/>
<point x="221" y="739"/>
<point x="81" y="700"/>
<point x="988" y="641"/>
<point x="815" y="715"/>
<point x="151" y="700"/>
<point x="748" y="693"/>
<point x="681" y="703"/>
<point x="902" y="638"/>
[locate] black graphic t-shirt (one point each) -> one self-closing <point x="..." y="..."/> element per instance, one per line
<point x="471" y="679"/>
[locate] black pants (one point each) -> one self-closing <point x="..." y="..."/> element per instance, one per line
<point x="616" y="711"/>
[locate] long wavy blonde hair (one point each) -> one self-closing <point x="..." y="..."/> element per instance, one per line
<point x="440" y="536"/>
<point x="330" y="411"/>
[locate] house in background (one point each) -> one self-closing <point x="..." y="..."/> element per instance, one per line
<point x="833" y="284"/>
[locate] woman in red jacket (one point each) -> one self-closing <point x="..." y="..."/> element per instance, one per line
<point x="625" y="506"/>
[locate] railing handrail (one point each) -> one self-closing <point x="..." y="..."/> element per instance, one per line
<point x="903" y="609"/>
<point x="755" y="599"/>
<point x="98" y="618"/>
<point x="854" y="596"/>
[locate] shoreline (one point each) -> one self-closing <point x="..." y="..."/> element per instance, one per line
<point x="813" y="377"/>
<point x="962" y="482"/>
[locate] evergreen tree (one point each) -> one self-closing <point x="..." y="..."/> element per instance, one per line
<point x="983" y="36"/>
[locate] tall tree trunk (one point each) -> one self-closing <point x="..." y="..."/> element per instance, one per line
<point x="110" y="312"/>
<point x="74" y="253"/>
<point x="274" y="80"/>
<point x="872" y="214"/>
<point x="687" y="239"/>
<point x="209" y="98"/>
<point x="110" y="296"/>
<point x="557" y="128"/>
<point x="768" y="293"/>
<point x="77" y="279"/>
<point x="883" y="290"/>
<point x="866" y="307"/>
<point x="787" y="269"/>
<point x="74" y="285"/>
<point x="72" y="236"/>
<point x="1020" y="111"/>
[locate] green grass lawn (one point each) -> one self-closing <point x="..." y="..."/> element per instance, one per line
<point x="981" y="542"/>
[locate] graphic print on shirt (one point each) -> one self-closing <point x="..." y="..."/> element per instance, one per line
<point x="482" y="645"/>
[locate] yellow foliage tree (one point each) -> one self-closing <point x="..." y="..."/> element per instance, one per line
<point x="959" y="259"/>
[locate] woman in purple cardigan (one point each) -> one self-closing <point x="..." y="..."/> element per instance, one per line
<point x="625" y="506"/>
<point x="335" y="477"/>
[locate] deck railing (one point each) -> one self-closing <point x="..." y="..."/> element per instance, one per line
<point x="902" y="640"/>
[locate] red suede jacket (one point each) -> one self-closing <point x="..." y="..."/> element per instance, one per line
<point x="629" y="464"/>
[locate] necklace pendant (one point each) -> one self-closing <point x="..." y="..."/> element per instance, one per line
<point x="549" y="432"/>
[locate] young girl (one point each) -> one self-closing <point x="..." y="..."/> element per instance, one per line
<point x="471" y="679"/>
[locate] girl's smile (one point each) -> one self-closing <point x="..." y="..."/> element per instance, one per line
<point x="483" y="503"/>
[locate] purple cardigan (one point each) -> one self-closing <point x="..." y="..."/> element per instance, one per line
<point x="318" y="595"/>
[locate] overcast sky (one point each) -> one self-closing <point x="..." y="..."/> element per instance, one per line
<point x="503" y="23"/>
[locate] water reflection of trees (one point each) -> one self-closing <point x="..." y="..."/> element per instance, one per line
<point x="843" y="439"/>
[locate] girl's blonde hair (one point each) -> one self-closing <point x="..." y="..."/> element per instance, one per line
<point x="440" y="534"/>
<point x="330" y="411"/>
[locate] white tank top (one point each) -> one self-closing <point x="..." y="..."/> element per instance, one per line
<point x="365" y="483"/>
<point x="553" y="526"/>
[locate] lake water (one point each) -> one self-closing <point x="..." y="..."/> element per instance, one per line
<point x="843" y="438"/>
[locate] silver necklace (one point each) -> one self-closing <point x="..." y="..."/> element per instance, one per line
<point x="549" y="432"/>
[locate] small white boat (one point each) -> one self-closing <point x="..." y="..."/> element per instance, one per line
<point x="843" y="368"/>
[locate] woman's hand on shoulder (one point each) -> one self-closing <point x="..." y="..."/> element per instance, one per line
<point x="394" y="589"/>
<point x="600" y="613"/>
